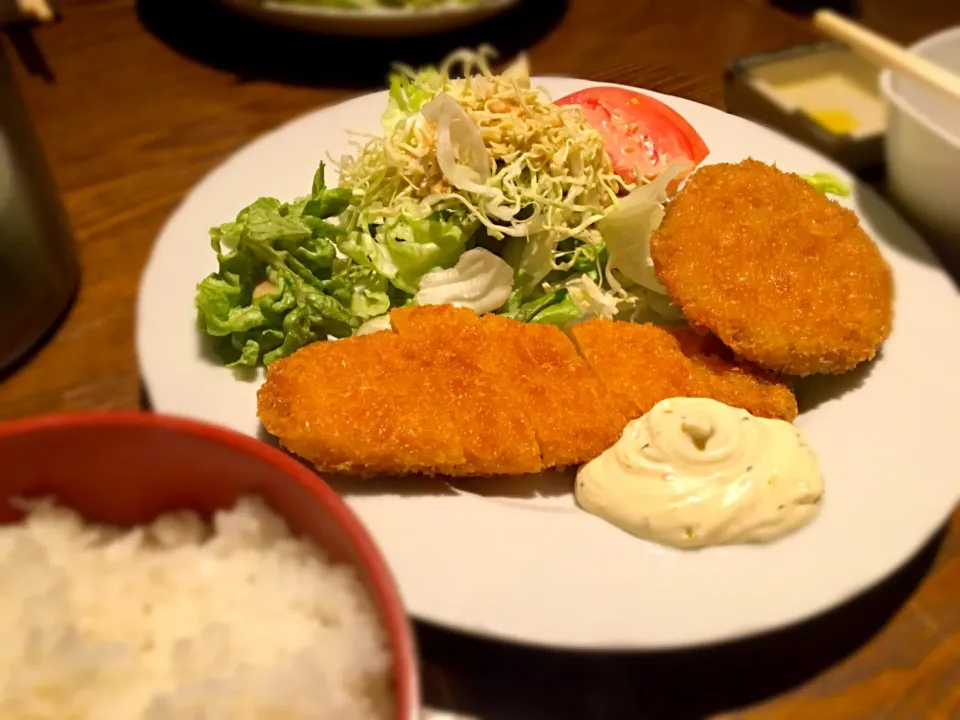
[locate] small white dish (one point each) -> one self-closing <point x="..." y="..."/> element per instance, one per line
<point x="923" y="141"/>
<point x="527" y="565"/>
<point x="377" y="22"/>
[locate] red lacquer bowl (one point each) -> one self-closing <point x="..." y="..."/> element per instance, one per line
<point x="126" y="468"/>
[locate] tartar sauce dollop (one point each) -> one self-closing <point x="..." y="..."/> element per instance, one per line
<point x="695" y="472"/>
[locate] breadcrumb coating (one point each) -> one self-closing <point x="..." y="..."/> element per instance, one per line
<point x="646" y="364"/>
<point x="449" y="393"/>
<point x="780" y="273"/>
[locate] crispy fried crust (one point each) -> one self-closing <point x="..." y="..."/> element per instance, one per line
<point x="365" y="405"/>
<point x="781" y="274"/>
<point x="449" y="393"/>
<point x="646" y="364"/>
<point x="484" y="413"/>
<point x="575" y="416"/>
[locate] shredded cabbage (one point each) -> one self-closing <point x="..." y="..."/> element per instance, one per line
<point x="627" y="229"/>
<point x="547" y="176"/>
<point x="531" y="181"/>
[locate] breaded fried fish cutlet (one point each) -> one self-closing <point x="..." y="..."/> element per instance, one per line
<point x="781" y="274"/>
<point x="360" y="405"/>
<point x="449" y="393"/>
<point x="576" y="417"/>
<point x="537" y="374"/>
<point x="646" y="364"/>
<point x="454" y="346"/>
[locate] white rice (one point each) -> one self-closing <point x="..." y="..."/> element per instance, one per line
<point x="178" y="621"/>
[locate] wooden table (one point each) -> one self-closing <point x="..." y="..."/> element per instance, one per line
<point x="149" y="96"/>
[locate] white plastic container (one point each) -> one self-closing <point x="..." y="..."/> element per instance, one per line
<point x="923" y="141"/>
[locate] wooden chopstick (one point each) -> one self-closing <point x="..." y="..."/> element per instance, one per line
<point x="880" y="51"/>
<point x="38" y="10"/>
<point x="18" y="12"/>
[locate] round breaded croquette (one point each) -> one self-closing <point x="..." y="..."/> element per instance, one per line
<point x="783" y="275"/>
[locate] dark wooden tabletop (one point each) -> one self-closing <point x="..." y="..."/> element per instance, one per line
<point x="145" y="97"/>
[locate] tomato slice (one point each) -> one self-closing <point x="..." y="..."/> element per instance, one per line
<point x="639" y="133"/>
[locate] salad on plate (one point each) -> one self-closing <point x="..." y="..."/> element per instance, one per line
<point x="481" y="192"/>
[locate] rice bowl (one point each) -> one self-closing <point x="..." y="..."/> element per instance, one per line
<point x="215" y="610"/>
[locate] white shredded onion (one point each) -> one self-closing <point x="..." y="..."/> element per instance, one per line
<point x="480" y="281"/>
<point x="590" y="300"/>
<point x="458" y="138"/>
<point x="373" y="325"/>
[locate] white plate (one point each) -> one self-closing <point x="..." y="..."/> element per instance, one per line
<point x="536" y="569"/>
<point x="385" y="22"/>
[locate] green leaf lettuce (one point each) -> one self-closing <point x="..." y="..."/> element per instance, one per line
<point x="274" y="290"/>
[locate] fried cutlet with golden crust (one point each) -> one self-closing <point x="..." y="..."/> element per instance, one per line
<point x="363" y="405"/>
<point x="450" y="393"/>
<point x="456" y="394"/>
<point x="646" y="364"/>
<point x="575" y="416"/>
<point x="533" y="376"/>
<point x="452" y="344"/>
<point x="780" y="273"/>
